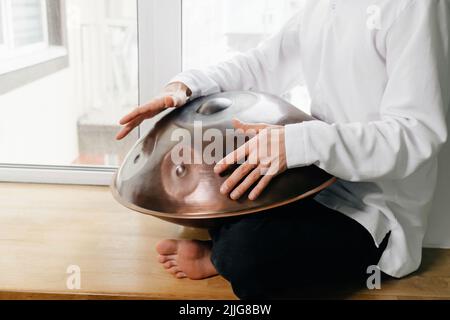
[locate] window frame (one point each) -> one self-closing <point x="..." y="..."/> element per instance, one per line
<point x="160" y="58"/>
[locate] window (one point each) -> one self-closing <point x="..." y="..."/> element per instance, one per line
<point x="28" y="22"/>
<point x="30" y="36"/>
<point x="24" y="27"/>
<point x="68" y="117"/>
<point x="69" y="69"/>
<point x="2" y="28"/>
<point x="215" y="30"/>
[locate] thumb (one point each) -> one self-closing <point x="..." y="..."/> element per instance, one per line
<point x="237" y="124"/>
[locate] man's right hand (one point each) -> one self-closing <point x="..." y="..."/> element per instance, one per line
<point x="174" y="95"/>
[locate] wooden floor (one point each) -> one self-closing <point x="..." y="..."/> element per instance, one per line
<point x="45" y="229"/>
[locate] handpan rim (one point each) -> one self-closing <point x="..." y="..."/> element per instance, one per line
<point x="213" y="215"/>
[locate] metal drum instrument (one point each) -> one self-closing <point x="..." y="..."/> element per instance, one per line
<point x="151" y="182"/>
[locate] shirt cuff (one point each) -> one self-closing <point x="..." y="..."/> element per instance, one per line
<point x="298" y="150"/>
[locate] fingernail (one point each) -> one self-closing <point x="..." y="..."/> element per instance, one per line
<point x="235" y="195"/>
<point x="224" y="190"/>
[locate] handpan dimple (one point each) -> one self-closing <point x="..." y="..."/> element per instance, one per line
<point x="214" y="106"/>
<point x="180" y="170"/>
<point x="150" y="181"/>
<point x="179" y="180"/>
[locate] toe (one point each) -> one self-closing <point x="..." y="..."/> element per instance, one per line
<point x="167" y="247"/>
<point x="164" y="259"/>
<point x="181" y="275"/>
<point x="170" y="264"/>
<point x="174" y="270"/>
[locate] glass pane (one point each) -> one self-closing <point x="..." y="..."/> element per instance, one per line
<point x="28" y="22"/>
<point x="70" y="116"/>
<point x="215" y="30"/>
<point x="2" y="40"/>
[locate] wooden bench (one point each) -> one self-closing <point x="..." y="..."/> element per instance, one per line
<point x="44" y="229"/>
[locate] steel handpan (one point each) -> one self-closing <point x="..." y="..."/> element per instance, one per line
<point x="185" y="190"/>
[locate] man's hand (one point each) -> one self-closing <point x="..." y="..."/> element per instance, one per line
<point x="174" y="95"/>
<point x="265" y="158"/>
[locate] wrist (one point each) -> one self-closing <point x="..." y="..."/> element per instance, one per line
<point x="178" y="87"/>
<point x="179" y="92"/>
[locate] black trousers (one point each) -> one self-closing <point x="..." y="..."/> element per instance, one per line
<point x="302" y="250"/>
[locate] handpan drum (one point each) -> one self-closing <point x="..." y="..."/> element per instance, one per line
<point x="150" y="181"/>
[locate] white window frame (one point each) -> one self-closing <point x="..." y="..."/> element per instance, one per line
<point x="160" y="58"/>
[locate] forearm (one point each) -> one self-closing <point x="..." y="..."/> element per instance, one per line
<point x="390" y="149"/>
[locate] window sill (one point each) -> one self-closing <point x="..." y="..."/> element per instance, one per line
<point x="45" y="229"/>
<point x="81" y="175"/>
<point x="17" y="72"/>
<point x="26" y="61"/>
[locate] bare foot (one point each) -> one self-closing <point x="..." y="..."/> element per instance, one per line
<point x="186" y="259"/>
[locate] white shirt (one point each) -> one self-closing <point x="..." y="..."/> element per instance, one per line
<point x="378" y="73"/>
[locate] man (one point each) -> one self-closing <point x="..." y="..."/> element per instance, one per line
<point x="378" y="73"/>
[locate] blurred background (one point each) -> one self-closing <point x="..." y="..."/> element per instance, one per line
<point x="69" y="70"/>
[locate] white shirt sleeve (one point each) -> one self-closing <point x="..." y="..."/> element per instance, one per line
<point x="274" y="67"/>
<point x="412" y="125"/>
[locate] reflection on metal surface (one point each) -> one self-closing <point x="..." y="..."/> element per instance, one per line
<point x="150" y="182"/>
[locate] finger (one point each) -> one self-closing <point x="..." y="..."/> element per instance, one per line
<point x="124" y="132"/>
<point x="181" y="275"/>
<point x="149" y="110"/>
<point x="251" y="179"/>
<point x="257" y="127"/>
<point x="129" y="127"/>
<point x="237" y="176"/>
<point x="260" y="187"/>
<point x="234" y="157"/>
<point x="131" y="116"/>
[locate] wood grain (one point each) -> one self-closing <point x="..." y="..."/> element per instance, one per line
<point x="46" y="228"/>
